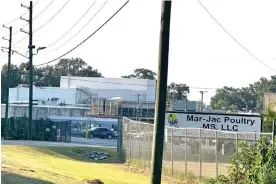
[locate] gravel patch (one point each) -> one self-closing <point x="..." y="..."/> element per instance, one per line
<point x="95" y="155"/>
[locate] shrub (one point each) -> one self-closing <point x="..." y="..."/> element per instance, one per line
<point x="253" y="164"/>
<point x="219" y="180"/>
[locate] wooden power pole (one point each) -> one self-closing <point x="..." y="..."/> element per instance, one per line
<point x="8" y="83"/>
<point x="161" y="92"/>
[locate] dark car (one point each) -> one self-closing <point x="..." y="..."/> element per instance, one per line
<point x="101" y="133"/>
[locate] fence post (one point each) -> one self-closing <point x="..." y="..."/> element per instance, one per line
<point x="216" y="153"/>
<point x="186" y="154"/>
<point x="149" y="144"/>
<point x="200" y="164"/>
<point x="139" y="146"/>
<point x="130" y="135"/>
<point x="120" y="138"/>
<point x="172" y="151"/>
<point x="237" y="139"/>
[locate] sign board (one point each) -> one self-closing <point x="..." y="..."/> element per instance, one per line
<point x="223" y="122"/>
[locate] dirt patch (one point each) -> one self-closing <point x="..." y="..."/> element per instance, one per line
<point x="30" y="170"/>
<point x="95" y="181"/>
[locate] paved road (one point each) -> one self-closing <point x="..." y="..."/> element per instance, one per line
<point x="75" y="142"/>
<point x="95" y="142"/>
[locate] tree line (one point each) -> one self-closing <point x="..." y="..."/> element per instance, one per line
<point x="226" y="98"/>
<point x="250" y="97"/>
<point x="49" y="76"/>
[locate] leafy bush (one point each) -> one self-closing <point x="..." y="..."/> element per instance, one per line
<point x="269" y="116"/>
<point x="253" y="164"/>
<point x="219" y="180"/>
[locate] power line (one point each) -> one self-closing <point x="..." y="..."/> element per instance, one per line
<point x="21" y="15"/>
<point x="73" y="25"/>
<point x="133" y="84"/>
<point x="236" y="39"/>
<point x="81" y="28"/>
<point x="203" y="88"/>
<point x="44" y="23"/>
<point x="52" y="17"/>
<point x="43" y="10"/>
<point x="17" y="63"/>
<point x="86" y="38"/>
<point x="16" y="80"/>
<point x="35" y="17"/>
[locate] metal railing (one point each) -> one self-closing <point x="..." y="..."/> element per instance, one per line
<point x="196" y="153"/>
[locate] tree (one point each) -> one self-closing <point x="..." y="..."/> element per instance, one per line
<point x="46" y="75"/>
<point x="227" y="98"/>
<point x="247" y="97"/>
<point x="75" y="67"/>
<point x="141" y="73"/>
<point x="178" y="91"/>
<point x="15" y="78"/>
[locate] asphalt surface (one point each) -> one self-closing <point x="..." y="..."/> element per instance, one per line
<point x="75" y="142"/>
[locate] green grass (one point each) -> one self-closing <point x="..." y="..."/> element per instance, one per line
<point x="62" y="165"/>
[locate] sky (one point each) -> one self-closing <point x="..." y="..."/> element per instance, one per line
<point x="202" y="55"/>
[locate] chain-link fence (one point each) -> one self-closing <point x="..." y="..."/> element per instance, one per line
<point x="194" y="153"/>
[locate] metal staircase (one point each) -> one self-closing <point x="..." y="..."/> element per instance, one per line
<point x="84" y="95"/>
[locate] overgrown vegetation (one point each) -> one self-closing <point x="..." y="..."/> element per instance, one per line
<point x="178" y="177"/>
<point x="269" y="116"/>
<point x="254" y="163"/>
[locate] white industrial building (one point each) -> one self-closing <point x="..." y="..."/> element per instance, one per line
<point x="74" y="90"/>
<point x="123" y="87"/>
<point x="137" y="95"/>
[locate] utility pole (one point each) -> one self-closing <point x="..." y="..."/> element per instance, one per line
<point x="138" y="107"/>
<point x="161" y="92"/>
<point x="186" y="103"/>
<point x="8" y="83"/>
<point x="31" y="47"/>
<point x="201" y="103"/>
<point x="69" y="76"/>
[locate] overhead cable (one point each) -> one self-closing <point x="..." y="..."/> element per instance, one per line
<point x="35" y="17"/>
<point x="133" y="84"/>
<point x="86" y="38"/>
<point x="81" y="28"/>
<point x="73" y="25"/>
<point x="258" y="59"/>
<point x="21" y="15"/>
<point x="44" y="23"/>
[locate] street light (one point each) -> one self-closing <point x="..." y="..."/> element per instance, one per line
<point x="39" y="48"/>
<point x="15" y="51"/>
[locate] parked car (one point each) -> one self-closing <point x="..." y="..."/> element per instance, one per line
<point x="101" y="133"/>
<point x="115" y="132"/>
